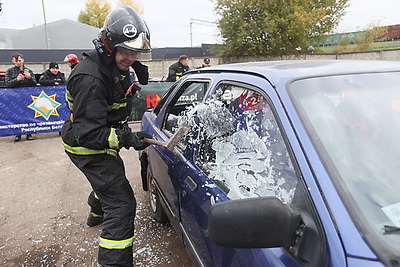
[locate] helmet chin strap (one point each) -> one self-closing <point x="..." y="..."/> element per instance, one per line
<point x="101" y="46"/>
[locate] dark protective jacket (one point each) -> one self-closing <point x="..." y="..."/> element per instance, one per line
<point x="73" y="65"/>
<point x="97" y="95"/>
<point x="48" y="78"/>
<point x="175" y="71"/>
<point x="11" y="78"/>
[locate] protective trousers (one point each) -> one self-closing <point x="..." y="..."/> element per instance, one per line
<point x="95" y="205"/>
<point x="106" y="174"/>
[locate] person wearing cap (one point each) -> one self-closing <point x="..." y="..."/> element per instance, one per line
<point x="100" y="96"/>
<point x="206" y="63"/>
<point x="177" y="69"/>
<point x="52" y="76"/>
<point x="71" y="60"/>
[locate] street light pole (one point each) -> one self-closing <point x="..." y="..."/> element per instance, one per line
<point x="45" y="26"/>
<point x="198" y="21"/>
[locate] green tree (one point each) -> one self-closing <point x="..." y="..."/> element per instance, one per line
<point x="274" y="27"/>
<point x="95" y="13"/>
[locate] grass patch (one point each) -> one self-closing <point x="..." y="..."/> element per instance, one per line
<point x="374" y="46"/>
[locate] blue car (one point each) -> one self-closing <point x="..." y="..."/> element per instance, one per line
<point x="286" y="163"/>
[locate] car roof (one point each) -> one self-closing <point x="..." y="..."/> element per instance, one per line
<point x="293" y="69"/>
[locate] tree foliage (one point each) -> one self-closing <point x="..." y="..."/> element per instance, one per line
<point x="373" y="34"/>
<point x="95" y="13"/>
<point x="274" y="27"/>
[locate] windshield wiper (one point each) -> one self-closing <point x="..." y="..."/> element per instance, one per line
<point x="390" y="229"/>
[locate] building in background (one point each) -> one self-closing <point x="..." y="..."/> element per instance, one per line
<point x="66" y="36"/>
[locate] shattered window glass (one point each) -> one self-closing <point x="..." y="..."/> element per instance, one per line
<point x="239" y="144"/>
<point x="188" y="96"/>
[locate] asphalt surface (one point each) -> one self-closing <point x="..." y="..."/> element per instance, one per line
<point x="43" y="210"/>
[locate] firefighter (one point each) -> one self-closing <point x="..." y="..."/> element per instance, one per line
<point x="176" y="70"/>
<point x="71" y="60"/>
<point x="99" y="95"/>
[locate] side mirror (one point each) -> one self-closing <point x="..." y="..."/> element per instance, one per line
<point x="263" y="222"/>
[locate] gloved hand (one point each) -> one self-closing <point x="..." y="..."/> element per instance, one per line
<point x="135" y="140"/>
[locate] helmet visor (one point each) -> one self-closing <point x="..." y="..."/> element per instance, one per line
<point x="145" y="56"/>
<point x="141" y="44"/>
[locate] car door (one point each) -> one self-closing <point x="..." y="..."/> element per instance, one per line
<point x="165" y="165"/>
<point x="237" y="149"/>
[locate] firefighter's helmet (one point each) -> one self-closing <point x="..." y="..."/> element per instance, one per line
<point x="123" y="27"/>
<point x="71" y="58"/>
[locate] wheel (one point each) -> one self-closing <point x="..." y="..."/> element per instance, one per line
<point x="157" y="210"/>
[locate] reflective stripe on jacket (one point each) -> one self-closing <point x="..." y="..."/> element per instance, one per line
<point x="87" y="151"/>
<point x="97" y="96"/>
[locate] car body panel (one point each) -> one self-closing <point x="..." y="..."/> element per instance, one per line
<point x="189" y="193"/>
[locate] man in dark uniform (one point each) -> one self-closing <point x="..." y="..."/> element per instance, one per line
<point x="206" y="63"/>
<point x="99" y="94"/>
<point x="178" y="68"/>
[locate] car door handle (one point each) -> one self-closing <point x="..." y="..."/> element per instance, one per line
<point x="191" y="183"/>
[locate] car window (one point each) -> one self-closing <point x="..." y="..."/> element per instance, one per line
<point x="354" y="124"/>
<point x="189" y="95"/>
<point x="240" y="146"/>
<point x="161" y="103"/>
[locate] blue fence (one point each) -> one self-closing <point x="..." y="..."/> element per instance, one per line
<point x="28" y="110"/>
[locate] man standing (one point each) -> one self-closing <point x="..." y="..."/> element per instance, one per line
<point x="99" y="94"/>
<point x="206" y="63"/>
<point x="178" y="68"/>
<point x="52" y="76"/>
<point x="19" y="76"/>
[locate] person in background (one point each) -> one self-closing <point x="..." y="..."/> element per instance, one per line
<point x="100" y="95"/>
<point x="52" y="76"/>
<point x="71" y="60"/>
<point x="177" y="69"/>
<point x="20" y="76"/>
<point x="206" y="63"/>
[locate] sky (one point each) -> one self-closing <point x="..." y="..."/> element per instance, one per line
<point x="178" y="23"/>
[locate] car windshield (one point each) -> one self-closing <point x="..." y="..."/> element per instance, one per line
<point x="354" y="123"/>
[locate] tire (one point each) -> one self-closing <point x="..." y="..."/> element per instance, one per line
<point x="157" y="211"/>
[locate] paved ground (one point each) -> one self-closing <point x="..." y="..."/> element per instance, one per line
<point x="43" y="210"/>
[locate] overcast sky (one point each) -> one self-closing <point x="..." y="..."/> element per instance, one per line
<point x="181" y="22"/>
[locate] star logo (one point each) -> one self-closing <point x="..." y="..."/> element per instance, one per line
<point x="44" y="105"/>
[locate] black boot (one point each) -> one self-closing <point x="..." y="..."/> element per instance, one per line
<point x="94" y="219"/>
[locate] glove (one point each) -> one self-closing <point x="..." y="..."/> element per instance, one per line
<point x="135" y="140"/>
